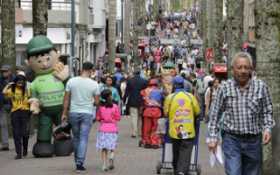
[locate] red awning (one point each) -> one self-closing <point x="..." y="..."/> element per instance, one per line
<point x="219" y="68"/>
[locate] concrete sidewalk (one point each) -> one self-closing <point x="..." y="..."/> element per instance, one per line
<point x="130" y="159"/>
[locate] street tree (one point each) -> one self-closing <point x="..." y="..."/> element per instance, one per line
<point x="40" y="16"/>
<point x="267" y="15"/>
<point x="218" y="29"/>
<point x="203" y="22"/>
<point x="127" y="20"/>
<point x="234" y="26"/>
<point x="210" y="24"/>
<point x="136" y="25"/>
<point x="112" y="33"/>
<point x="8" y="45"/>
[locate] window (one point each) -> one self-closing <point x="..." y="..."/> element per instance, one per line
<point x="49" y="4"/>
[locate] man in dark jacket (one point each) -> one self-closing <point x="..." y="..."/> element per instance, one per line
<point x="5" y="106"/>
<point x="135" y="101"/>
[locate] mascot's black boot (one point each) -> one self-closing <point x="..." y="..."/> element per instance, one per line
<point x="63" y="147"/>
<point x="43" y="149"/>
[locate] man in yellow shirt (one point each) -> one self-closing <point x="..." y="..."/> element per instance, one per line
<point x="181" y="108"/>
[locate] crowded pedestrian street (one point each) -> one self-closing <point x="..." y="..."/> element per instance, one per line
<point x="130" y="159"/>
<point x="139" y="87"/>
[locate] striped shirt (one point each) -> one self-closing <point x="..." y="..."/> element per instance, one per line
<point x="244" y="112"/>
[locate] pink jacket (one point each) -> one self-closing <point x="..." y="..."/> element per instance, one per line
<point x="108" y="118"/>
<point x="157" y="55"/>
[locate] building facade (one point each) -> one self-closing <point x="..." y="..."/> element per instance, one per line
<point x="90" y="17"/>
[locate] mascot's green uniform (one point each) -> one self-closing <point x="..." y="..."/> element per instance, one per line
<point x="48" y="91"/>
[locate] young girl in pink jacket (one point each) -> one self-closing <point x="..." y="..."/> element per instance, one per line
<point x="108" y="114"/>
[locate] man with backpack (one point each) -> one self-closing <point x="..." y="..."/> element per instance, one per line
<point x="182" y="109"/>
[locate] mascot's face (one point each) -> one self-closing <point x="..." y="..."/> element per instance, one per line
<point x="43" y="63"/>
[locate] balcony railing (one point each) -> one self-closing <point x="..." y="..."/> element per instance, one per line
<point x="63" y="5"/>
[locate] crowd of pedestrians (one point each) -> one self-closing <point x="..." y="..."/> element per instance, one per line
<point x="170" y="83"/>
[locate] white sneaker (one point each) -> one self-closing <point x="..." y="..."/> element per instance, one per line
<point x="104" y="168"/>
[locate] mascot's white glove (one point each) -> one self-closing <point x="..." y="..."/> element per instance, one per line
<point x="61" y="71"/>
<point x="34" y="105"/>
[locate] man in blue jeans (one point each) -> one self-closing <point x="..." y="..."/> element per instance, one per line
<point x="6" y="77"/>
<point x="81" y="94"/>
<point x="247" y="109"/>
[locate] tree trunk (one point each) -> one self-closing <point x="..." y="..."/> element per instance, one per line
<point x="218" y="30"/>
<point x="234" y="27"/>
<point x="40" y="17"/>
<point x="136" y="14"/>
<point x="112" y="34"/>
<point x="127" y="20"/>
<point x="210" y="24"/>
<point x="268" y="51"/>
<point x="8" y="33"/>
<point x="204" y="23"/>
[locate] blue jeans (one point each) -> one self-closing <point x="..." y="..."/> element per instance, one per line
<point x="243" y="156"/>
<point x="4" y="127"/>
<point x="81" y="125"/>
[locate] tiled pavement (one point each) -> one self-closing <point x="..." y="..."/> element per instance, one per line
<point x="130" y="159"/>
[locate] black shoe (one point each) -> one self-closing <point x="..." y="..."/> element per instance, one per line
<point x="147" y="146"/>
<point x="133" y="136"/>
<point x="155" y="146"/>
<point x="24" y="154"/>
<point x="4" y="149"/>
<point x="18" y="157"/>
<point x="111" y="164"/>
<point x="80" y="168"/>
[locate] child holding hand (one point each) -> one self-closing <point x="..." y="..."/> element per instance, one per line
<point x="108" y="115"/>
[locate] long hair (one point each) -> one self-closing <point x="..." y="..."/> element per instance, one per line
<point x="106" y="98"/>
<point x="22" y="88"/>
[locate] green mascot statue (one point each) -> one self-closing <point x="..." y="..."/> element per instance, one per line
<point x="47" y="91"/>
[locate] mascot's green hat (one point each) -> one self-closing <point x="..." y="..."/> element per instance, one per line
<point x="39" y="44"/>
<point x="169" y="64"/>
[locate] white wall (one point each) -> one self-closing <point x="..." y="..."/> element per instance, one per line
<point x="99" y="13"/>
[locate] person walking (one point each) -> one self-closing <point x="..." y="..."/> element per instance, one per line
<point x="19" y="94"/>
<point x="210" y="96"/>
<point x="81" y="94"/>
<point x="152" y="111"/>
<point x="5" y="105"/>
<point x="109" y="85"/>
<point x="181" y="108"/>
<point x="247" y="119"/>
<point x="108" y="114"/>
<point x="135" y="101"/>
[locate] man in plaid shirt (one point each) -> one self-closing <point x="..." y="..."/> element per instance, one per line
<point x="246" y="107"/>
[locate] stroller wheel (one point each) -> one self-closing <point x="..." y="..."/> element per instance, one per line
<point x="158" y="167"/>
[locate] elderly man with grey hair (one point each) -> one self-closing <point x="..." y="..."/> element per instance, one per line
<point x="246" y="107"/>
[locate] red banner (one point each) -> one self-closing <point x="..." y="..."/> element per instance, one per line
<point x="209" y="55"/>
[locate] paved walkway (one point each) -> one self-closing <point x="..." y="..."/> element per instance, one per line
<point x="130" y="159"/>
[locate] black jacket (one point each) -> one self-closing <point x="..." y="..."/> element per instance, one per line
<point x="133" y="89"/>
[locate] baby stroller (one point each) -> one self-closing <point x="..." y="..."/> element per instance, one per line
<point x="166" y="158"/>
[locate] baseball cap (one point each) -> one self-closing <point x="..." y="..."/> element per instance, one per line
<point x="178" y="80"/>
<point x="6" y="67"/>
<point x="21" y="73"/>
